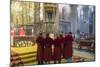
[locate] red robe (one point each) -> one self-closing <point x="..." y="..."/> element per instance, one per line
<point x="48" y="49"/>
<point x="68" y="49"/>
<point x="40" y="48"/>
<point x="21" y="32"/>
<point x="57" y="49"/>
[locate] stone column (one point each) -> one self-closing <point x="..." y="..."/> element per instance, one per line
<point x="73" y="19"/>
<point x="56" y="26"/>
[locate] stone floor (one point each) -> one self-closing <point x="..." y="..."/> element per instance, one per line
<point x="83" y="52"/>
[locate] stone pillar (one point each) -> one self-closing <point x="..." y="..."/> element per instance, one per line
<point x="56" y="26"/>
<point x="73" y="19"/>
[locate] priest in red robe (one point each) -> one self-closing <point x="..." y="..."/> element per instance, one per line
<point x="68" y="49"/>
<point x="48" y="49"/>
<point x="21" y="31"/>
<point x="40" y="49"/>
<point x="57" y="49"/>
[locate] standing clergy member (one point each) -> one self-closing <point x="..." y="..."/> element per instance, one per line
<point x="48" y="49"/>
<point x="57" y="49"/>
<point x="40" y="48"/>
<point x="21" y="31"/>
<point x="68" y="49"/>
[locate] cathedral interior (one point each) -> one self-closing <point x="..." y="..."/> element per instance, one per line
<point x="53" y="18"/>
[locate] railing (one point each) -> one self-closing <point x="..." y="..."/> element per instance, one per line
<point x="24" y="40"/>
<point x="89" y="44"/>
